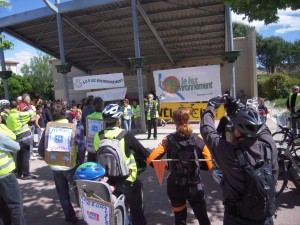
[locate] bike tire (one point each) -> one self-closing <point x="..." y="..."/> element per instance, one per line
<point x="119" y="216"/>
<point x="281" y="138"/>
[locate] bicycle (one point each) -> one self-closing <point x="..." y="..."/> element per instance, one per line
<point x="288" y="146"/>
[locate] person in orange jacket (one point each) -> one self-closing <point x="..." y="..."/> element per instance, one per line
<point x="187" y="185"/>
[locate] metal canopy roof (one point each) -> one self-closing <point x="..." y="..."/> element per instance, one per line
<point x="99" y="33"/>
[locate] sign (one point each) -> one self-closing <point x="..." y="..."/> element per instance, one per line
<point x="93" y="127"/>
<point x="196" y="110"/>
<point x="96" y="212"/>
<point x="192" y="84"/>
<point x="113" y="80"/>
<point x="109" y="94"/>
<point x="60" y="144"/>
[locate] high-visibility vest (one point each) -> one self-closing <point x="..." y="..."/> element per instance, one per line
<point x="297" y="103"/>
<point x="155" y="105"/>
<point x="130" y="161"/>
<point x="7" y="164"/>
<point x="17" y="121"/>
<point x="127" y="112"/>
<point x="136" y="111"/>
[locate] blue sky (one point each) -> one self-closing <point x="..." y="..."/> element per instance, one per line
<point x="288" y="27"/>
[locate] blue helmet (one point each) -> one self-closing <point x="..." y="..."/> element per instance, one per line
<point x="89" y="171"/>
<point x="112" y="112"/>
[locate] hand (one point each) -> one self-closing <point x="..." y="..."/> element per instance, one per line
<point x="216" y="102"/>
<point x="231" y="104"/>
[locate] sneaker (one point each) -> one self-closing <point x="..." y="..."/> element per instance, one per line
<point x="29" y="177"/>
<point x="155" y="138"/>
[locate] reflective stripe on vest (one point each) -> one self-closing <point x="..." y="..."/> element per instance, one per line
<point x="129" y="161"/>
<point x="7" y="163"/>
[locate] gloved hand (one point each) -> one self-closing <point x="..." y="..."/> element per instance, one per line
<point x="216" y="102"/>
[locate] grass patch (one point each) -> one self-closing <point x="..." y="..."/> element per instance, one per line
<point x="280" y="103"/>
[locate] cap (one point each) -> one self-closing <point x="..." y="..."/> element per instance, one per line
<point x="19" y="98"/>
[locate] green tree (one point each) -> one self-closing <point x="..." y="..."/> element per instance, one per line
<point x="40" y="75"/>
<point x="17" y="85"/>
<point x="262" y="10"/>
<point x="5" y="44"/>
<point x="240" y="29"/>
<point x="273" y="53"/>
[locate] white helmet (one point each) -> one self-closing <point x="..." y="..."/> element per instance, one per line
<point x="217" y="176"/>
<point x="4" y="102"/>
<point x="112" y="112"/>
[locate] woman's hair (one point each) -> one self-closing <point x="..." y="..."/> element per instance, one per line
<point x="181" y="118"/>
<point x="58" y="112"/>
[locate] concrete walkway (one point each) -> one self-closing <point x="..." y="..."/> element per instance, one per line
<point x="42" y="207"/>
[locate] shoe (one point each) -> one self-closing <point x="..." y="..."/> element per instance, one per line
<point x="29" y="177"/>
<point x="148" y="138"/>
<point x="155" y="138"/>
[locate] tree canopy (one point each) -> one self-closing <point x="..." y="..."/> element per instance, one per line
<point x="262" y="10"/>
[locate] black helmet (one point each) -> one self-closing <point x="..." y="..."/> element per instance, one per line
<point x="247" y="122"/>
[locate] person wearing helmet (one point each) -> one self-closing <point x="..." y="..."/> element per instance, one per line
<point x="4" y="107"/>
<point x="133" y="150"/>
<point x="293" y="105"/>
<point x="249" y="134"/>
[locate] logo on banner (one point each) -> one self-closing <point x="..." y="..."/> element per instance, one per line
<point x="93" y="216"/>
<point x="171" y="85"/>
<point x="78" y="83"/>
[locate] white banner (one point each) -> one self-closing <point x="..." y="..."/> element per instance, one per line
<point x="192" y="84"/>
<point x="109" y="94"/>
<point x="113" y="80"/>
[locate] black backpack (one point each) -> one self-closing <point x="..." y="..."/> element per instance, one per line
<point x="258" y="201"/>
<point x="187" y="168"/>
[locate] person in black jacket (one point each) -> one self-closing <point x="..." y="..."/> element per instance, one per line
<point x="189" y="186"/>
<point x="247" y="132"/>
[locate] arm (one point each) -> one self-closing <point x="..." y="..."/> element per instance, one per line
<point x="158" y="152"/>
<point x="7" y="144"/>
<point x="203" y="153"/>
<point x="37" y="122"/>
<point x="80" y="143"/>
<point x="133" y="144"/>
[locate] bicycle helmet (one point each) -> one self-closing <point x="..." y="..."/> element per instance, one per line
<point x="112" y="112"/>
<point x="89" y="171"/>
<point x="4" y="102"/>
<point x="217" y="176"/>
<point x="247" y="122"/>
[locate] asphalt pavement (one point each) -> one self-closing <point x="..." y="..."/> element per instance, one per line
<point x="42" y="207"/>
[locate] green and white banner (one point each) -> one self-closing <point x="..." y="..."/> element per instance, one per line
<point x="191" y="84"/>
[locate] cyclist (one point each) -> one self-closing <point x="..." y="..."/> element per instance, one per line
<point x="4" y="107"/>
<point x="247" y="130"/>
<point x="131" y="187"/>
<point x="293" y="105"/>
<point x="190" y="189"/>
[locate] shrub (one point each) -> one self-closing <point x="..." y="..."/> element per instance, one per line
<point x="278" y="85"/>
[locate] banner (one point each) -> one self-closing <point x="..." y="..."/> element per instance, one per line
<point x="109" y="94"/>
<point x="113" y="80"/>
<point x="192" y="84"/>
<point x="196" y="110"/>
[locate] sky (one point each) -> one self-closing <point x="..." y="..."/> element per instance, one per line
<point x="288" y="27"/>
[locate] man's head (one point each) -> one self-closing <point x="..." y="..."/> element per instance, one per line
<point x="98" y="104"/>
<point x="150" y="97"/>
<point x="39" y="109"/>
<point x="26" y="98"/>
<point x="295" y="89"/>
<point x="247" y="122"/>
<point x="58" y="112"/>
<point x="111" y="115"/>
<point x="89" y="100"/>
<point x="13" y="105"/>
<point x="4" y="105"/>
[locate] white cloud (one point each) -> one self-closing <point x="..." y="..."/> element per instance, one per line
<point x="288" y="21"/>
<point x="22" y="57"/>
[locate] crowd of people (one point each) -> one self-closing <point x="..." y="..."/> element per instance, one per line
<point x="241" y="128"/>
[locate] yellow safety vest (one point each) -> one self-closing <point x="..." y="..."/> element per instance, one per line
<point x="130" y="161"/>
<point x="155" y="105"/>
<point x="17" y="121"/>
<point x="7" y="164"/>
<point x="136" y="111"/>
<point x="297" y="103"/>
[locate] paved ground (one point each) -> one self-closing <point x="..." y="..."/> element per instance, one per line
<point x="42" y="207"/>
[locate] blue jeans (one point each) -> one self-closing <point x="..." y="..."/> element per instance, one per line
<point x="11" y="201"/>
<point x="62" y="180"/>
<point x="127" y="124"/>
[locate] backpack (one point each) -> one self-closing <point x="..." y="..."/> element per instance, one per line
<point x="187" y="169"/>
<point x="258" y="200"/>
<point x="110" y="156"/>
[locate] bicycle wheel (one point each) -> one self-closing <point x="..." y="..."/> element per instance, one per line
<point x="280" y="138"/>
<point x="119" y="216"/>
<point x="293" y="159"/>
